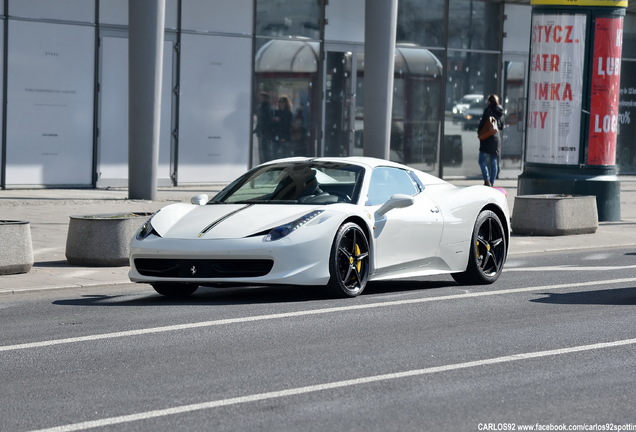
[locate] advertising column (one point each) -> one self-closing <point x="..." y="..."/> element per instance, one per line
<point x="574" y="82"/>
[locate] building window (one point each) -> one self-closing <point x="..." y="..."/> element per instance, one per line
<point x="474" y="25"/>
<point x="625" y="145"/>
<point x="281" y="18"/>
<point x="421" y="22"/>
<point x="287" y="99"/>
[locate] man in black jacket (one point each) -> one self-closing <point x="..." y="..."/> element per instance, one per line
<point x="490" y="147"/>
<point x="263" y="129"/>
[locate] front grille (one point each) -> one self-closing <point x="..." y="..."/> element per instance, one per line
<point x="203" y="268"/>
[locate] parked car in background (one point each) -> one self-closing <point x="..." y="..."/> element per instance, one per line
<point x="463" y="104"/>
<point x="472" y="114"/>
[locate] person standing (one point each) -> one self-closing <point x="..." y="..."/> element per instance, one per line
<point x="282" y="125"/>
<point x="298" y="132"/>
<point x="263" y="129"/>
<point x="490" y="148"/>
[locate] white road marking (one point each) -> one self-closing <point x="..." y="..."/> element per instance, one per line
<point x="568" y="268"/>
<point x="598" y="256"/>
<point x="110" y="421"/>
<point x="202" y="324"/>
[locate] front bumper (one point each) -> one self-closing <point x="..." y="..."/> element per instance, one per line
<point x="289" y="261"/>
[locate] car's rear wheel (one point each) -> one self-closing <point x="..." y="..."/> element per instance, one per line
<point x="175" y="289"/>
<point x="349" y="261"/>
<point x="488" y="251"/>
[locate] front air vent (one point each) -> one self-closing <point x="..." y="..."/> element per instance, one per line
<point x="203" y="268"/>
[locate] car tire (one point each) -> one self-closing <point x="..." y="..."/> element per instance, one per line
<point x="175" y="290"/>
<point x="349" y="261"/>
<point x="488" y="250"/>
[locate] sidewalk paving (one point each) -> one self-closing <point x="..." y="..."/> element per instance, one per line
<point x="49" y="210"/>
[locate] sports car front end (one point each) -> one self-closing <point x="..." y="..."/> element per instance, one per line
<point x="274" y="225"/>
<point x="235" y="243"/>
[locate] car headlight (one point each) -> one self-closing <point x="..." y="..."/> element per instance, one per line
<point x="146" y="230"/>
<point x="284" y="230"/>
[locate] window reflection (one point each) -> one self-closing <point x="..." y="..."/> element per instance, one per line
<point x="287" y="64"/>
<point x="471" y="76"/>
<point x="416" y="107"/>
<point x="416" y="115"/>
<point x="629" y="37"/>
<point x="421" y="22"/>
<point x="286" y="74"/>
<point x="513" y="102"/>
<point x="470" y="73"/>
<point x="625" y="145"/>
<point x="339" y="81"/>
<point x="475" y="24"/>
<point x="279" y="18"/>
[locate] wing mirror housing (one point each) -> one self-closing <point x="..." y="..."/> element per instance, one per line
<point x="201" y="199"/>
<point x="396" y="201"/>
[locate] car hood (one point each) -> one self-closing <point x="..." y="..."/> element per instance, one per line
<point x="221" y="221"/>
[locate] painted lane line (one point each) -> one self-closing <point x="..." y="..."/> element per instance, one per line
<point x="296" y="314"/>
<point x="110" y="421"/>
<point x="568" y="268"/>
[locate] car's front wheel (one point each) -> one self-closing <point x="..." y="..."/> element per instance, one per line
<point x="488" y="251"/>
<point x="349" y="261"/>
<point x="175" y="290"/>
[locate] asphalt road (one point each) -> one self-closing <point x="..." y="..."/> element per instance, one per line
<point x="551" y="344"/>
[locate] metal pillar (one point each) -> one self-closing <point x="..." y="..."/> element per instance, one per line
<point x="145" y="59"/>
<point x="379" y="63"/>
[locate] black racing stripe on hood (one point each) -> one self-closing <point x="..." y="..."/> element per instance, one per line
<point x="226" y="217"/>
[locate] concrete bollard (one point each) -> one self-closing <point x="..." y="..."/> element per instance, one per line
<point x="16" y="252"/>
<point x="102" y="240"/>
<point x="553" y="215"/>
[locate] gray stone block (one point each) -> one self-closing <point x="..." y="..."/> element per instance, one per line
<point x="16" y="251"/>
<point x="553" y="215"/>
<point x="102" y="240"/>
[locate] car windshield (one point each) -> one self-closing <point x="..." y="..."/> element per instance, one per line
<point x="479" y="103"/>
<point x="467" y="99"/>
<point x="306" y="182"/>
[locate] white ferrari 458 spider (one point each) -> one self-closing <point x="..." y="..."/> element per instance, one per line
<point x="333" y="222"/>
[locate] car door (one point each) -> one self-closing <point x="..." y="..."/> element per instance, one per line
<point x="406" y="238"/>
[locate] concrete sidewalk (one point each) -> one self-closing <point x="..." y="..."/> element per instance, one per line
<point x="49" y="210"/>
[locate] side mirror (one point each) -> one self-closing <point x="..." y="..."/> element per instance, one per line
<point x="396" y="201"/>
<point x="201" y="199"/>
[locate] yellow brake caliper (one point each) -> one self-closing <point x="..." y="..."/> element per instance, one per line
<point x="477" y="248"/>
<point x="356" y="251"/>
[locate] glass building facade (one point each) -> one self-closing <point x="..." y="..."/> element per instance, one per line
<point x="251" y="80"/>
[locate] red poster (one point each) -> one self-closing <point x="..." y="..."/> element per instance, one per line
<point x="606" y="69"/>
